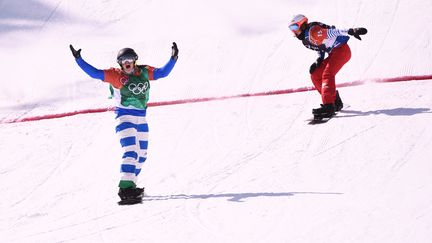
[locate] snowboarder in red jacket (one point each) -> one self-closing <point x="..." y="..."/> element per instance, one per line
<point x="325" y="39"/>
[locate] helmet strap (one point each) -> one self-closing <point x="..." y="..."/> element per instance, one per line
<point x="303" y="28"/>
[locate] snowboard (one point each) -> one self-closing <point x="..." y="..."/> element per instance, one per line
<point x="130" y="201"/>
<point x="319" y="120"/>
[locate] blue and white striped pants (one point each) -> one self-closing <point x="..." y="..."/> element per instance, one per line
<point x="133" y="131"/>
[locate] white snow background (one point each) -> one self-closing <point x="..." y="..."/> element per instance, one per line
<point x="236" y="170"/>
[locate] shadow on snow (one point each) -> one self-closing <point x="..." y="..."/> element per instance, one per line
<point x="234" y="197"/>
<point x="389" y="112"/>
<point x="26" y="15"/>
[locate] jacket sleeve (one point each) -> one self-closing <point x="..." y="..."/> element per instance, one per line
<point x="165" y="70"/>
<point x="89" y="69"/>
<point x="336" y="32"/>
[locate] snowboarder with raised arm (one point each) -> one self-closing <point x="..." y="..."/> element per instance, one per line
<point x="325" y="39"/>
<point x="130" y="88"/>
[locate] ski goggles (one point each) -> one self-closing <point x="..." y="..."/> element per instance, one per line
<point x="129" y="60"/>
<point x="294" y="27"/>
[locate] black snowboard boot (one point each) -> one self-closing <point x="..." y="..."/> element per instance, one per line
<point x="338" y="102"/>
<point x="131" y="193"/>
<point x="325" y="111"/>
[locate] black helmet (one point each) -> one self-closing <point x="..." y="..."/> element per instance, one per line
<point x="126" y="53"/>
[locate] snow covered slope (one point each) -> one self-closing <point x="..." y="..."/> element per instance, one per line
<point x="236" y="170"/>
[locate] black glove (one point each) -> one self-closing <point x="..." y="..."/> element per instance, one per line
<point x="356" y="32"/>
<point x="75" y="53"/>
<point x="175" y="51"/>
<point x="315" y="65"/>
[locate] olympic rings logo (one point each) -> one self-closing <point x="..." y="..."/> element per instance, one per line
<point x="139" y="88"/>
<point x="124" y="80"/>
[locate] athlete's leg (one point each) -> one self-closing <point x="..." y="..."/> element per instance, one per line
<point x="337" y="58"/>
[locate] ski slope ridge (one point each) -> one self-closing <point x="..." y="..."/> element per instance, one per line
<point x="205" y="99"/>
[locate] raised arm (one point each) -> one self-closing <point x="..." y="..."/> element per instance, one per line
<point x="165" y="70"/>
<point x="87" y="68"/>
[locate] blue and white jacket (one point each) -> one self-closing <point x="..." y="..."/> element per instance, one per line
<point x="323" y="38"/>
